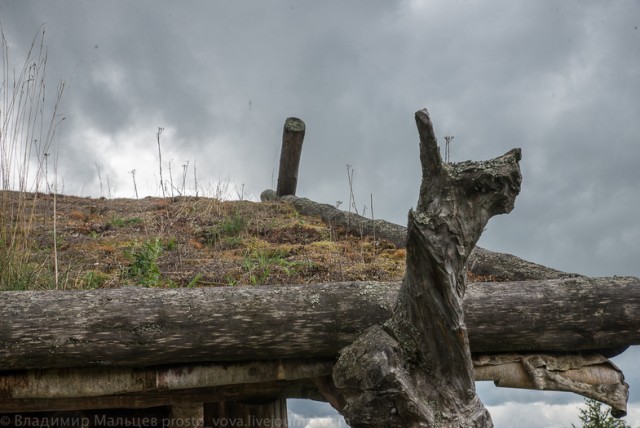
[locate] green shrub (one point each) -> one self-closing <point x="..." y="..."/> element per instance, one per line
<point x="194" y="281"/>
<point x="261" y="264"/>
<point x="93" y="279"/>
<point x="16" y="273"/>
<point x="143" y="267"/>
<point x="226" y="233"/>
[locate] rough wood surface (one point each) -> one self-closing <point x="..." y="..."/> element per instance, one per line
<point x="575" y="314"/>
<point x="416" y="369"/>
<point x="590" y="375"/>
<point x="81" y="388"/>
<point x="292" y="138"/>
<point x="101" y="381"/>
<point x="144" y="327"/>
<point x="59" y="389"/>
<point x="507" y="267"/>
<point x="292" y="389"/>
<point x="140" y="327"/>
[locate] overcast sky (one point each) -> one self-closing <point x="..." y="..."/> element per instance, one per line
<point x="561" y="80"/>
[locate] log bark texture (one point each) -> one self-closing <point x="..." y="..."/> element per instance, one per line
<point x="137" y="327"/>
<point x="416" y="369"/>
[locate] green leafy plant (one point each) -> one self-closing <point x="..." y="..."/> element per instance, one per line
<point x="258" y="265"/>
<point x="194" y="281"/>
<point x="261" y="264"/>
<point x="227" y="233"/>
<point x="171" y="244"/>
<point x="16" y="272"/>
<point x="93" y="279"/>
<point x="231" y="281"/>
<point x="593" y="416"/>
<point x="143" y="267"/>
<point x="122" y="222"/>
<point x="233" y="226"/>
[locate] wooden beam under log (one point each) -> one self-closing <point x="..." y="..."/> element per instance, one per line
<point x="293" y="389"/>
<point x="122" y="387"/>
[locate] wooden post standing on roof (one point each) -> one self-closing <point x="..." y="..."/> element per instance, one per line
<point x="292" y="138"/>
<point x="272" y="412"/>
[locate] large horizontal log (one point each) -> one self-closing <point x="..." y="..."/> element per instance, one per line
<point x="564" y="315"/>
<point x="139" y="327"/>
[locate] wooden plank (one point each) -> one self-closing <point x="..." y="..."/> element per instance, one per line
<point x="292" y="389"/>
<point x="101" y="381"/>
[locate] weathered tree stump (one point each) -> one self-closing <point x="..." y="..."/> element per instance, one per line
<point x="292" y="138"/>
<point x="416" y="369"/>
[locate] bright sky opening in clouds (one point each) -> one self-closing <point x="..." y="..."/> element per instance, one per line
<point x="561" y="80"/>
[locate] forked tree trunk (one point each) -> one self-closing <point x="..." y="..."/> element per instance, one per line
<point x="416" y="369"/>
